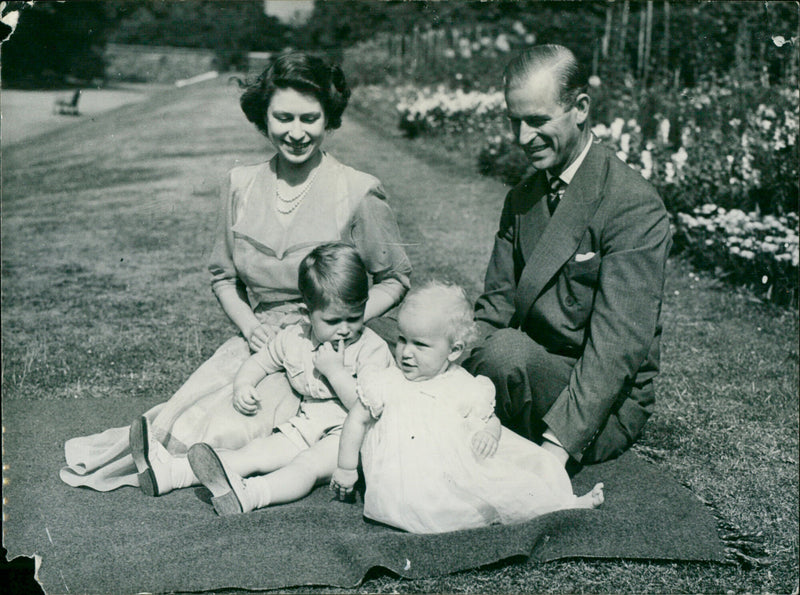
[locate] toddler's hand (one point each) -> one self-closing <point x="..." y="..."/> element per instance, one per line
<point x="245" y="399"/>
<point x="329" y="360"/>
<point x="342" y="483"/>
<point x="259" y="337"/>
<point x="484" y="445"/>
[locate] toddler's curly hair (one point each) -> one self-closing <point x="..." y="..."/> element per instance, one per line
<point x="451" y="302"/>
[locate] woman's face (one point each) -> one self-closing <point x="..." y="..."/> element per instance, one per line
<point x="296" y="124"/>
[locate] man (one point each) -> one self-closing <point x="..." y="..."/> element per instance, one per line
<point x="574" y="285"/>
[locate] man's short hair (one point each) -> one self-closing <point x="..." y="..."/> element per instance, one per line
<point x="572" y="77"/>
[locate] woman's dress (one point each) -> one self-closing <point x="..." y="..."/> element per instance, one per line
<point x="421" y="472"/>
<point x="259" y="253"/>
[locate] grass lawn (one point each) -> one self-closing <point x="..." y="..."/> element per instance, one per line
<point x="106" y="228"/>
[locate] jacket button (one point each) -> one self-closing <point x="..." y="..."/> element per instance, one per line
<point x="569" y="300"/>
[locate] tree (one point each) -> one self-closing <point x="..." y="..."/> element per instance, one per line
<point x="55" y="41"/>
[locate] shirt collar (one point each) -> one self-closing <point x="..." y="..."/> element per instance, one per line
<point x="569" y="173"/>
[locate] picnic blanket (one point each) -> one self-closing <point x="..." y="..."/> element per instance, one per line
<point x="125" y="542"/>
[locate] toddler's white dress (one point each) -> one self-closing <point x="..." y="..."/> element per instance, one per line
<point x="420" y="470"/>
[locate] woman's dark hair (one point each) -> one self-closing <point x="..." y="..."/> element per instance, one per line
<point x="333" y="273"/>
<point x="303" y="73"/>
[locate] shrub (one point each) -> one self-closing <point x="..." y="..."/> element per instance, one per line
<point x="743" y="249"/>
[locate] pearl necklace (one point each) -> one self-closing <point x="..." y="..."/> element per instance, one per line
<point x="290" y="204"/>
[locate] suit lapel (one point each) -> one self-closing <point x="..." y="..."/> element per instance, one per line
<point x="533" y="224"/>
<point x="559" y="240"/>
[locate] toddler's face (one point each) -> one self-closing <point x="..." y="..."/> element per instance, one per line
<point x="423" y="349"/>
<point x="337" y="322"/>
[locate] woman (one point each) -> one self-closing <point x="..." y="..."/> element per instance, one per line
<point x="274" y="214"/>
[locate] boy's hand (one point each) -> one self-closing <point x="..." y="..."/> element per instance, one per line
<point x="484" y="444"/>
<point x="329" y="360"/>
<point x="245" y="399"/>
<point x="342" y="483"/>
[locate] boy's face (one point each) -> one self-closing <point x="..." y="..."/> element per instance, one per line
<point x="337" y="322"/>
<point x="423" y="348"/>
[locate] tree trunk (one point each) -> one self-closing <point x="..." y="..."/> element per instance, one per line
<point x="648" y="42"/>
<point x="607" y="32"/>
<point x="640" y="46"/>
<point x="665" y="43"/>
<point x="626" y="10"/>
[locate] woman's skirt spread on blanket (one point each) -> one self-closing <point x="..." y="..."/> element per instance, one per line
<point x="200" y="411"/>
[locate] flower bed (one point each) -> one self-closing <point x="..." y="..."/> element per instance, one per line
<point x="705" y="149"/>
<point x="744" y="248"/>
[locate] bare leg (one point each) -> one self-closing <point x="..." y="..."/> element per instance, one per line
<point x="231" y="494"/>
<point x="591" y="499"/>
<point x="262" y="455"/>
<point x="297" y="479"/>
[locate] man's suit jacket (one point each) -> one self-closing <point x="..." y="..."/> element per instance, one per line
<point x="587" y="283"/>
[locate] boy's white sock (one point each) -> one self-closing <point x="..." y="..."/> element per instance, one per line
<point x="257" y="492"/>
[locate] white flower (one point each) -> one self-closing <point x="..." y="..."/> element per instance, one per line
<point x="680" y="158"/>
<point x="707" y="208"/>
<point x="625" y="143"/>
<point x="663" y="130"/>
<point x="616" y="128"/>
<point x="601" y="131"/>
<point x="669" y="172"/>
<point x="747" y="254"/>
<point x="647" y="164"/>
<point x="502" y="44"/>
<point x="623" y="156"/>
<point x="518" y="28"/>
<point x="594" y="81"/>
<point x="768" y="247"/>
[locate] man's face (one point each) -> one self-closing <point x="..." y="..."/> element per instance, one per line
<point x="548" y="133"/>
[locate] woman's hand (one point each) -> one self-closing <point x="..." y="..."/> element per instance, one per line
<point x="258" y="337"/>
<point x="245" y="399"/>
<point x="484" y="444"/>
<point x="342" y="483"/>
<point x="329" y="361"/>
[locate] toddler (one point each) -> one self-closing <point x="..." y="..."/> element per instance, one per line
<point x="320" y="360"/>
<point x="434" y="454"/>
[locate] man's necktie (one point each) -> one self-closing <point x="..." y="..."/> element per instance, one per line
<point x="557" y="188"/>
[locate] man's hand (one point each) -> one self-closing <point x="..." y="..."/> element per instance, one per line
<point x="484" y="444"/>
<point x="245" y="399"/>
<point x="558" y="451"/>
<point x="328" y="360"/>
<point x="342" y="483"/>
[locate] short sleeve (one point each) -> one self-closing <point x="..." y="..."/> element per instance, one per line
<point x="482" y="393"/>
<point x="373" y="353"/>
<point x="370" y="387"/>
<point x="221" y="267"/>
<point x="272" y="356"/>
<point x="373" y="231"/>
